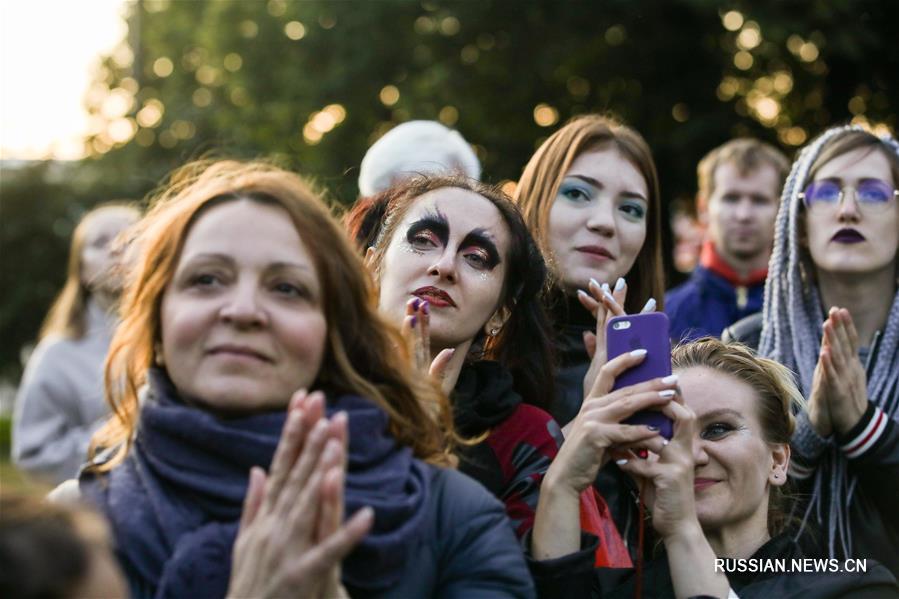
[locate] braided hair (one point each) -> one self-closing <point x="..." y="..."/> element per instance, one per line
<point x="792" y="327"/>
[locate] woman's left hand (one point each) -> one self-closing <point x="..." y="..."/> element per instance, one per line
<point x="669" y="471"/>
<point x="603" y="303"/>
<point x="844" y="376"/>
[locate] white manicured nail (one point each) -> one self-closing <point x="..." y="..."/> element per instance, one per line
<point x="605" y="287"/>
<point x="619" y="284"/>
<point x="595" y="282"/>
<point x="582" y="293"/>
<point x="670" y="379"/>
<point x="650" y="305"/>
<point x="608" y="296"/>
<point x="621" y="462"/>
<point x="667" y="393"/>
<point x="638" y="352"/>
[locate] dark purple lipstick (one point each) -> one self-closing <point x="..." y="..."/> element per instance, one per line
<point x="848" y="236"/>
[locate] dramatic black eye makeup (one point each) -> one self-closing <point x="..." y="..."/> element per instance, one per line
<point x="432" y="230"/>
<point x="479" y="238"/>
<point x="425" y="229"/>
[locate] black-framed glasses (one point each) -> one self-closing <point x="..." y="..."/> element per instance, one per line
<point x="871" y="194"/>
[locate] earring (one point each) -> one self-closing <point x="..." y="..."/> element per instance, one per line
<point x="157" y="355"/>
<point x="776" y="475"/>
<point x="494" y="331"/>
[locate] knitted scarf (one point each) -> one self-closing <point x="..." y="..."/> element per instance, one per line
<point x="791" y="334"/>
<point x="175" y="502"/>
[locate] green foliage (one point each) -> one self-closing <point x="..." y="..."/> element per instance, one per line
<point x="231" y="81"/>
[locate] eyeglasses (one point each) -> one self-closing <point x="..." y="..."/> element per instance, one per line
<point x="871" y="194"/>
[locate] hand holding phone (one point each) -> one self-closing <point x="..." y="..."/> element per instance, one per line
<point x="647" y="331"/>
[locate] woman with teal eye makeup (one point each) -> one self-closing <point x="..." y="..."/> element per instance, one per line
<point x="590" y="196"/>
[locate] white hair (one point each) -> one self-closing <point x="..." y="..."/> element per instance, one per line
<point x="416" y="148"/>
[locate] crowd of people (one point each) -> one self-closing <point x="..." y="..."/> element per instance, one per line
<point x="243" y="394"/>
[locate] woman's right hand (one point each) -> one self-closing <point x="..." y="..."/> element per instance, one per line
<point x="417" y="331"/>
<point x="592" y="433"/>
<point x="669" y="470"/>
<point x="598" y="426"/>
<point x="290" y="541"/>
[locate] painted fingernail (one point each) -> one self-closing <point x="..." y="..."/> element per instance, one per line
<point x="667" y="393"/>
<point x="619" y="284"/>
<point x="650" y="305"/>
<point x="607" y="295"/>
<point x="595" y="282"/>
<point x="414" y="320"/>
<point x="425" y="306"/>
<point x="582" y="293"/>
<point x="621" y="462"/>
<point x="670" y="379"/>
<point x="638" y="352"/>
<point x="643" y="454"/>
<point x="416" y="303"/>
<point x="665" y="442"/>
<point x="652" y="427"/>
<point x="605" y="287"/>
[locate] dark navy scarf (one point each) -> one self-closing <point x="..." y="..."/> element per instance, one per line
<point x="175" y="502"/>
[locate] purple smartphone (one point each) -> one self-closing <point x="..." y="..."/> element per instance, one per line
<point x="642" y="331"/>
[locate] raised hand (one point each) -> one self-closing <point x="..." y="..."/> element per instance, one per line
<point x="669" y="471"/>
<point x="603" y="303"/>
<point x="290" y="540"/>
<point x="416" y="329"/>
<point x="598" y="426"/>
<point x="839" y="394"/>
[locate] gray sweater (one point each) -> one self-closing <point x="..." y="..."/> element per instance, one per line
<point x="60" y="401"/>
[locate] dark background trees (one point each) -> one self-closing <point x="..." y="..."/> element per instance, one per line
<point x="312" y="84"/>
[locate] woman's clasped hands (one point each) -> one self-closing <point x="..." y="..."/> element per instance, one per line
<point x="292" y="537"/>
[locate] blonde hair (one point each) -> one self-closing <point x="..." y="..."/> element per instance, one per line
<point x="748" y="155"/>
<point x="539" y="184"/>
<point x="777" y="394"/>
<point x="66" y="317"/>
<point x="364" y="355"/>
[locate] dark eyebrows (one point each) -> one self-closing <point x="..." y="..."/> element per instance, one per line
<point x="482" y="238"/>
<point x="431" y="221"/>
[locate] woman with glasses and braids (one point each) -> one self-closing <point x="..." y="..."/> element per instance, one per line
<point x="831" y="314"/>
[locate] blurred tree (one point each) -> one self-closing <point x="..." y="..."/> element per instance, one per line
<point x="314" y="83"/>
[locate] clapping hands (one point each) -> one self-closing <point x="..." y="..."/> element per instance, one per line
<point x="292" y="537"/>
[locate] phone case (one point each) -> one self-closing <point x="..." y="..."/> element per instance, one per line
<point x="642" y="331"/>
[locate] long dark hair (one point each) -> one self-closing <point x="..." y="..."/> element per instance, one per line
<point x="524" y="344"/>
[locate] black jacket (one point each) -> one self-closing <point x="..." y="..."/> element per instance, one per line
<point x="574" y="576"/>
